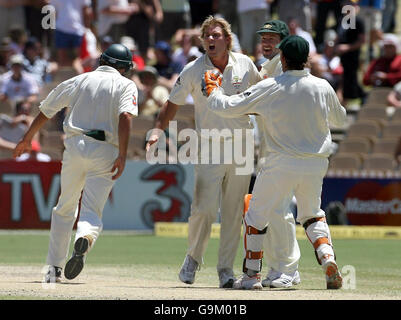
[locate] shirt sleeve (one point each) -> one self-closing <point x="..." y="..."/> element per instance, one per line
<point x="58" y="98"/>
<point x="251" y="101"/>
<point x="337" y="113"/>
<point x="255" y="76"/>
<point x="182" y="88"/>
<point x="129" y="100"/>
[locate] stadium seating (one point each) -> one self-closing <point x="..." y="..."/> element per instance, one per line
<point x="392" y="129"/>
<point x="379" y="162"/>
<point x="396" y="115"/>
<point x="365" y="128"/>
<point x="378" y="96"/>
<point x="373" y="113"/>
<point x="385" y="145"/>
<point x="345" y="161"/>
<point x="360" y="145"/>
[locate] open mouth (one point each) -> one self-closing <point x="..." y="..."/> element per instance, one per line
<point x="212" y="47"/>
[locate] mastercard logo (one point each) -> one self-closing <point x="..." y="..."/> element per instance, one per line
<point x="371" y="203"/>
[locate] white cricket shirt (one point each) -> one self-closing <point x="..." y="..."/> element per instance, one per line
<point x="239" y="74"/>
<point x="96" y="99"/>
<point x="272" y="67"/>
<point x="296" y="108"/>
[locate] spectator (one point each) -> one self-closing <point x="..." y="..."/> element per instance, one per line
<point x="34" y="154"/>
<point x="18" y="38"/>
<point x="252" y="14"/>
<point x="38" y="67"/>
<point x="151" y="96"/>
<point x="323" y="9"/>
<point x="18" y="85"/>
<point x="5" y="54"/>
<point x="112" y="16"/>
<point x="34" y="17"/>
<point x="327" y="65"/>
<point x="11" y="16"/>
<point x="228" y="10"/>
<point x="140" y="25"/>
<point x="348" y="47"/>
<point x="139" y="63"/>
<point x="371" y="13"/>
<point x="385" y="71"/>
<point x="388" y="15"/>
<point x="70" y="28"/>
<point x="167" y="69"/>
<point x="299" y="9"/>
<point x="394" y="97"/>
<point x="13" y="128"/>
<point x="175" y="17"/>
<point x="187" y="50"/>
<point x="106" y="42"/>
<point x="200" y="10"/>
<point x="296" y="29"/>
<point x="89" y="53"/>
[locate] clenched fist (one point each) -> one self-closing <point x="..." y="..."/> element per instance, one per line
<point x="211" y="80"/>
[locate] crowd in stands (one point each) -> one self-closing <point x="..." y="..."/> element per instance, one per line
<point x="163" y="36"/>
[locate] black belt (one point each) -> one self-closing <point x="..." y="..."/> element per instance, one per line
<point x="96" y="134"/>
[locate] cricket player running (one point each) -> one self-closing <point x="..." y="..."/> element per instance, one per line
<point x="97" y="129"/>
<point x="297" y="109"/>
<point x="216" y="185"/>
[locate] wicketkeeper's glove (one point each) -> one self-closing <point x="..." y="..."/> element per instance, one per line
<point x="211" y="80"/>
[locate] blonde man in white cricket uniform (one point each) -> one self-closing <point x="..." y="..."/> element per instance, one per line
<point x="97" y="128"/>
<point x="297" y="109"/>
<point x="281" y="250"/>
<point x="216" y="185"/>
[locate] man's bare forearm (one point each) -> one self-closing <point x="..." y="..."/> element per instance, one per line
<point x="124" y="128"/>
<point x="36" y="125"/>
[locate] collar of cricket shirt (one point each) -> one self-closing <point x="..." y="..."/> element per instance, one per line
<point x="107" y="69"/>
<point x="298" y="73"/>
<point x="231" y="61"/>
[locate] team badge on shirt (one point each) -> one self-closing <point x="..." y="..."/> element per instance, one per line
<point x="134" y="100"/>
<point x="237" y="82"/>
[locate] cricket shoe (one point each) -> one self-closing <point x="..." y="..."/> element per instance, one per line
<point x="53" y="275"/>
<point x="226" y="278"/>
<point x="248" y="282"/>
<point x="76" y="263"/>
<point x="286" y="281"/>
<point x="333" y="276"/>
<point x="188" y="270"/>
<point x="271" y="275"/>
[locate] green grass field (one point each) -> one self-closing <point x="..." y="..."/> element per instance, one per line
<point x="376" y="262"/>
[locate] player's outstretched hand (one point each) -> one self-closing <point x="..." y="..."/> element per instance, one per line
<point x="211" y="80"/>
<point x="152" y="139"/>
<point x="22" y="147"/>
<point x="119" y="165"/>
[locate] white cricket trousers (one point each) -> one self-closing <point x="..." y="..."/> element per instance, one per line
<point x="85" y="170"/>
<point x="278" y="181"/>
<point x="217" y="185"/>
